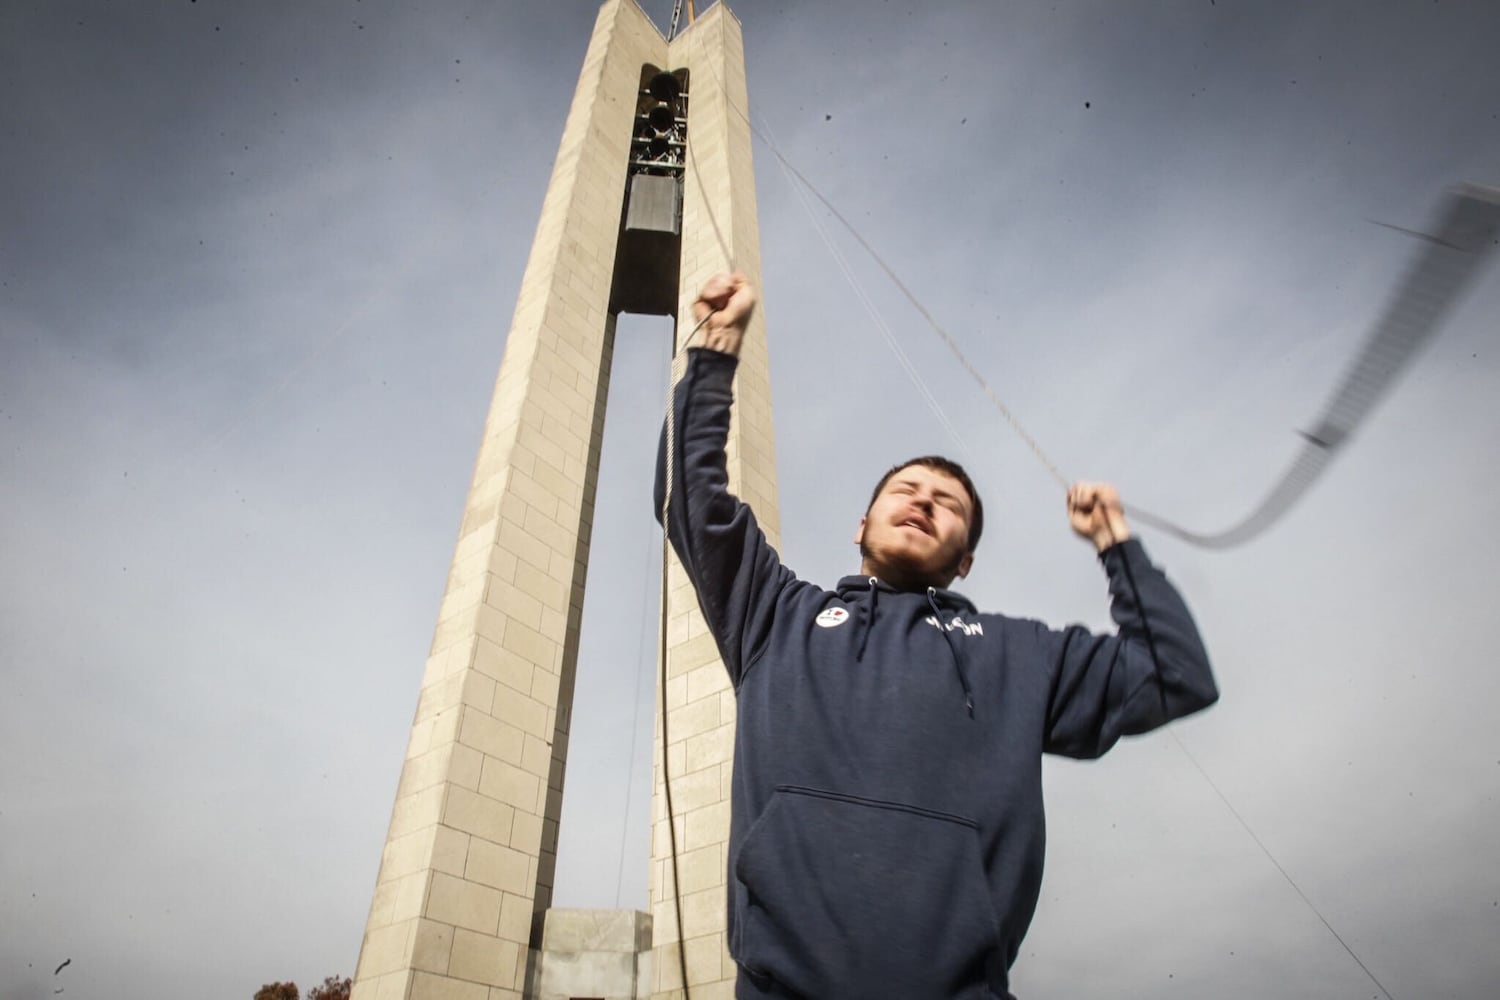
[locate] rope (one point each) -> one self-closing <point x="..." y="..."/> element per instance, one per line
<point x="1435" y="282"/>
<point x="1470" y="217"/>
<point x="679" y="368"/>
<point x="1056" y="474"/>
<point x="910" y="296"/>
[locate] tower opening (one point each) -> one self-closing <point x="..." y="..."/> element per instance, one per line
<point x="649" y="253"/>
<point x="603" y="845"/>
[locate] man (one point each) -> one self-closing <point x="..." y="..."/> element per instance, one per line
<point x="887" y="831"/>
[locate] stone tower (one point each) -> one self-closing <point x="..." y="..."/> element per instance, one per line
<point x="652" y="191"/>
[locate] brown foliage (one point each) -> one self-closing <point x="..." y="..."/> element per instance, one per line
<point x="333" y="988"/>
<point x="277" y="991"/>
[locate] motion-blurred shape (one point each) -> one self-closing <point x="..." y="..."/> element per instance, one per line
<point x="1467" y="231"/>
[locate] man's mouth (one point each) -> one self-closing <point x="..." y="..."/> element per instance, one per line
<point x="920" y="523"/>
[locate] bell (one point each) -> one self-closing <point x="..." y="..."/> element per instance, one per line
<point x="661" y="117"/>
<point x="664" y="87"/>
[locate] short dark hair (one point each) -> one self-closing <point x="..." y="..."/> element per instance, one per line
<point x="950" y="468"/>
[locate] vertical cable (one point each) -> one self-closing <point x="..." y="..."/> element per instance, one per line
<point x="679" y="367"/>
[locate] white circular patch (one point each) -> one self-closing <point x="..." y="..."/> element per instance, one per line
<point x="829" y="617"/>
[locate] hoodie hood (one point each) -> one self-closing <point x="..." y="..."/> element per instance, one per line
<point x="863" y="594"/>
<point x="850" y="586"/>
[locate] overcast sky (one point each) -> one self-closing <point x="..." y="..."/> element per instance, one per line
<point x="257" y="262"/>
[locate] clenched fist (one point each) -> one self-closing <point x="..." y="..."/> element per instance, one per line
<point x="1095" y="513"/>
<point x="727" y="300"/>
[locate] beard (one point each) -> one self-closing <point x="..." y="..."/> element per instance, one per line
<point x="914" y="570"/>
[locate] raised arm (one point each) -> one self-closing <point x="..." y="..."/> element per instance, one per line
<point x="734" y="570"/>
<point x="1152" y="670"/>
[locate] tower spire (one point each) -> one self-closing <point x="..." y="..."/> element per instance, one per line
<point x="677" y="15"/>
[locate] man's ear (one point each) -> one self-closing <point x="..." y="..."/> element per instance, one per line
<point x="965" y="564"/>
<point x="859" y="532"/>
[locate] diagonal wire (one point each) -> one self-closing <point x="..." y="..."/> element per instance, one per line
<point x="1469" y="218"/>
<point x="1272" y="858"/>
<point x="910" y="296"/>
<point x="875" y="315"/>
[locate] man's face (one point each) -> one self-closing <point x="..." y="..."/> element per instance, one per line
<point x="917" y="530"/>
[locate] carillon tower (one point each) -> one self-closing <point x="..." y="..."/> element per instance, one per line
<point x="652" y="191"/>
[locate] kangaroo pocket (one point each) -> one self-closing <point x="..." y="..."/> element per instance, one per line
<point x="844" y="896"/>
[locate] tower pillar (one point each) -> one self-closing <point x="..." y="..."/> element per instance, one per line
<point x="470" y="856"/>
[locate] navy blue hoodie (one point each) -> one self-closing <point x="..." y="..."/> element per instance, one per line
<point x="887" y="832"/>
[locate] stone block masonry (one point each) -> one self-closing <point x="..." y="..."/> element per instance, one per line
<point x="461" y="909"/>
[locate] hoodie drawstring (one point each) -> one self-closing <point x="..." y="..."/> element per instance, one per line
<point x="958" y="663"/>
<point x="869" y="624"/>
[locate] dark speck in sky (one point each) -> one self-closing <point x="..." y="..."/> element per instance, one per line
<point x="1086" y="104"/>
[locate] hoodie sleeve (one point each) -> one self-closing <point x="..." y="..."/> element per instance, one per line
<point x="734" y="570"/>
<point x="1152" y="670"/>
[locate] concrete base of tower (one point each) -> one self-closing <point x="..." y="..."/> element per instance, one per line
<point x="603" y="954"/>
